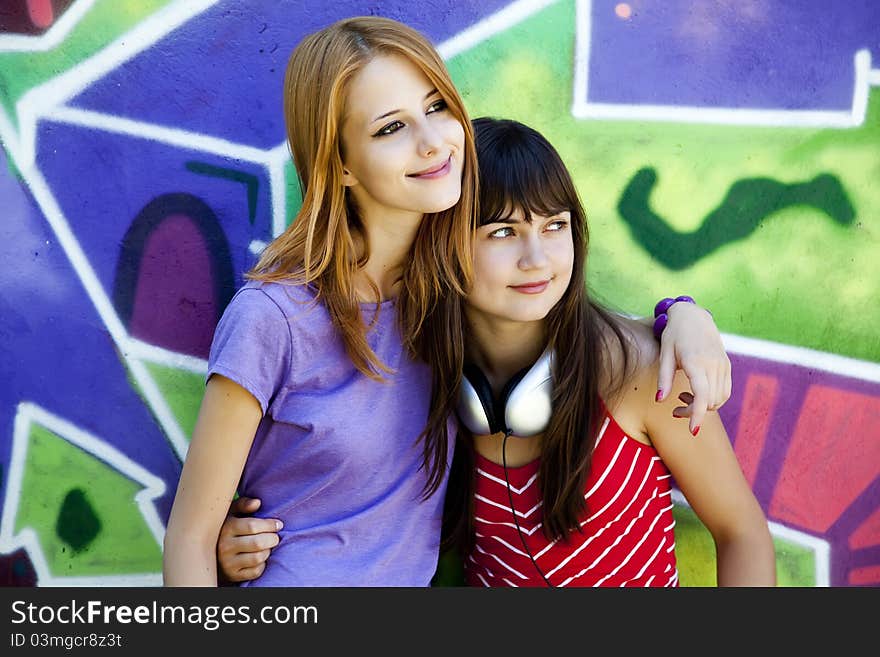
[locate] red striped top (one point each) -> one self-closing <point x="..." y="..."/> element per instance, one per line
<point x="628" y="533"/>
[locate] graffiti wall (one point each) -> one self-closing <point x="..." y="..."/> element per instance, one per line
<point x="727" y="149"/>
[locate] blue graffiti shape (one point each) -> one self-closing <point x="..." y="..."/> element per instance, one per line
<point x="77" y="523"/>
<point x="747" y="204"/>
<point x="251" y="182"/>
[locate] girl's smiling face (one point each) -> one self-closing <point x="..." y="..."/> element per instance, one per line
<point x="401" y="147"/>
<point x="522" y="267"/>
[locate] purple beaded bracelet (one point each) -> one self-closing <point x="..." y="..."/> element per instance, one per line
<point x="660" y="310"/>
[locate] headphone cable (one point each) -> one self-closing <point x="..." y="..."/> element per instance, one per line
<point x="513" y="509"/>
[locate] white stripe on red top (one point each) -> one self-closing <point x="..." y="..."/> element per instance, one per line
<point x="627" y="538"/>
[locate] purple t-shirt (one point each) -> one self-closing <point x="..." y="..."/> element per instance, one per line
<point x="336" y="455"/>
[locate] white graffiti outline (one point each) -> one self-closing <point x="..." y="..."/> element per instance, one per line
<point x="803" y="357"/>
<point x="165" y="357"/>
<point x="501" y="20"/>
<point x="29" y="414"/>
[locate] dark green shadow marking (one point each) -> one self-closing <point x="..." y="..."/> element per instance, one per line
<point x="746" y="205"/>
<point x="77" y="524"/>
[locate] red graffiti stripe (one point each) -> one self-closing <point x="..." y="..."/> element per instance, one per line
<point x="864" y="576"/>
<point x="41" y="12"/>
<point x="759" y="399"/>
<point x="834" y="454"/>
<point x="868" y="533"/>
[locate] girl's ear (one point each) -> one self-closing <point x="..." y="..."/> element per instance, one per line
<point x="348" y="178"/>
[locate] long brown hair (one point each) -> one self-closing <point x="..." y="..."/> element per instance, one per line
<point x="319" y="248"/>
<point x="520" y="170"/>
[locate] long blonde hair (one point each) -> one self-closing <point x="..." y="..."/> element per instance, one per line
<point x="320" y="246"/>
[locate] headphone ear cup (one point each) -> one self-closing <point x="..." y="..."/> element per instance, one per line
<point x="476" y="408"/>
<point x="528" y="403"/>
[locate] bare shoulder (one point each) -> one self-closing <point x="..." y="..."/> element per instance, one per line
<point x="630" y="362"/>
<point x="630" y="386"/>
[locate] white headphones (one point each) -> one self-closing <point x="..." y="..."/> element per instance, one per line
<point x="524" y="408"/>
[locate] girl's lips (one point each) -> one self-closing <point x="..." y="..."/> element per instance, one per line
<point x="531" y="288"/>
<point x="437" y="172"/>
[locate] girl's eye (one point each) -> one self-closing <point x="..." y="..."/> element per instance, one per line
<point x="501" y="233"/>
<point x="389" y="129"/>
<point x="560" y="224"/>
<point x="436" y="106"/>
<point x="394" y="126"/>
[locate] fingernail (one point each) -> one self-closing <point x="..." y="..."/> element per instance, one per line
<point x="696" y="430"/>
<point x="278" y="525"/>
<point x="659" y="395"/>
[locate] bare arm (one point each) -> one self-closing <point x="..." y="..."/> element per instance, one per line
<point x="222" y="437"/>
<point x="708" y="474"/>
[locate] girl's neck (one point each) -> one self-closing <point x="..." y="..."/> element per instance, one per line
<point x="503" y="348"/>
<point x="390" y="239"/>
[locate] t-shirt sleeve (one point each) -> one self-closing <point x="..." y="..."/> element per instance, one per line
<point x="252" y="345"/>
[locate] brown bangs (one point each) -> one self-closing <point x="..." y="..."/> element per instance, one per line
<point x="518" y="172"/>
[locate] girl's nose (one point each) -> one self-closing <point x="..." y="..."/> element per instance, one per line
<point x="534" y="256"/>
<point x="430" y="140"/>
